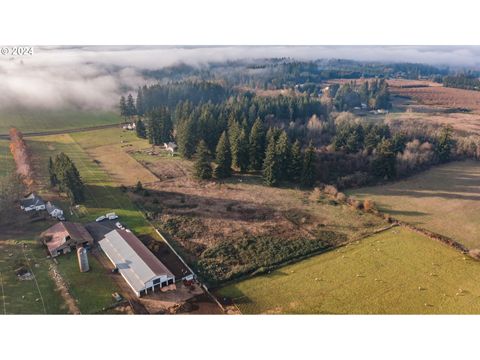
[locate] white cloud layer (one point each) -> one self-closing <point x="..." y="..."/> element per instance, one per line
<point x="94" y="77"/>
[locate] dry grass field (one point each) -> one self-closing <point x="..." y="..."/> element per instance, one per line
<point x="393" y="272"/>
<point x="436" y="104"/>
<point x="444" y="199"/>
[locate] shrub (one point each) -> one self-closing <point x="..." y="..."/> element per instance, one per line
<point x="341" y="197"/>
<point x="368" y="205"/>
<point x="356" y="204"/>
<point x="330" y="190"/>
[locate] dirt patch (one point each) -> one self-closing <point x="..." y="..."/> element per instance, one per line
<point x="63" y="290"/>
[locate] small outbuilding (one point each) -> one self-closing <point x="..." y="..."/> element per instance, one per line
<point x="54" y="211"/>
<point x="64" y="237"/>
<point x="140" y="268"/>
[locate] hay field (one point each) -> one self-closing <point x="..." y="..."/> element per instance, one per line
<point x="444" y="199"/>
<point x="394" y="272"/>
<point x="35" y="120"/>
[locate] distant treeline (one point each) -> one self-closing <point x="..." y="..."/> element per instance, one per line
<point x="286" y="73"/>
<point x="462" y="81"/>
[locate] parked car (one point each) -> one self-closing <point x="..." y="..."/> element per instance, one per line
<point x="118" y="225"/>
<point x="100" y="218"/>
<point x="112" y="216"/>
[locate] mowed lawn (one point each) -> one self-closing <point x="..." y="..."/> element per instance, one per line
<point x="35" y="120"/>
<point x="444" y="199"/>
<point x="393" y="272"/>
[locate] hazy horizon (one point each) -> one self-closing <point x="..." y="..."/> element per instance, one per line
<point x="94" y="77"/>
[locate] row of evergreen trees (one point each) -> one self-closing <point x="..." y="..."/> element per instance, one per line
<point x="272" y="153"/>
<point x="64" y="174"/>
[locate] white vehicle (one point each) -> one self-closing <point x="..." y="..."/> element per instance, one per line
<point x="100" y="218"/>
<point x="112" y="216"/>
<point x="118" y="225"/>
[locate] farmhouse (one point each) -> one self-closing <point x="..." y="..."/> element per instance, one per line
<point x="32" y="202"/>
<point x="131" y="126"/>
<point x="170" y="146"/>
<point x="54" y="211"/>
<point x="135" y="262"/>
<point x="63" y="237"/>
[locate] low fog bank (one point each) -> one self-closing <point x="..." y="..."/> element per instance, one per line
<point x="93" y="77"/>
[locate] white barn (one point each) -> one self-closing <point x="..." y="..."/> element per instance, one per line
<point x="135" y="262"/>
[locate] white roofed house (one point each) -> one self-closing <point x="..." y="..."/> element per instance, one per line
<point x="170" y="146"/>
<point x="32" y="202"/>
<point x="54" y="211"/>
<point x="140" y="268"/>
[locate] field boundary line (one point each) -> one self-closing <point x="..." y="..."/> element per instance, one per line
<point x="3" y="295"/>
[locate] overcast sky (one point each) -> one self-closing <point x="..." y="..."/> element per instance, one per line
<point x="92" y="77"/>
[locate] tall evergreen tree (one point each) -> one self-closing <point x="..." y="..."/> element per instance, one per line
<point x="384" y="162"/>
<point x="68" y="178"/>
<point x="202" y="166"/>
<point x="270" y="164"/>
<point x="445" y="144"/>
<point x="223" y="158"/>
<point x="131" y="111"/>
<point x="123" y="107"/>
<point x="241" y="151"/>
<point x="186" y="137"/>
<point x="296" y="160"/>
<point x="282" y="150"/>
<point x="140" y="129"/>
<point x="308" y="169"/>
<point x="257" y="145"/>
<point x="139" y="104"/>
<point x="51" y="172"/>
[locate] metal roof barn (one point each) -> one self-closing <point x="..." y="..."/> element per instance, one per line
<point x="135" y="262"/>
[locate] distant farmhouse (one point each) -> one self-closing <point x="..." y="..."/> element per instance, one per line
<point x="131" y="126"/>
<point x="64" y="237"/>
<point x="170" y="146"/>
<point x="32" y="202"/>
<point x="140" y="268"/>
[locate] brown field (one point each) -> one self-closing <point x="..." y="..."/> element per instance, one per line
<point x="211" y="212"/>
<point x="430" y="104"/>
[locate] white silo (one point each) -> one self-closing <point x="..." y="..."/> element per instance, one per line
<point x="82" y="259"/>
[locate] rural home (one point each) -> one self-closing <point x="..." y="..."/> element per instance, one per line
<point x="54" y="211"/>
<point x="171" y="146"/>
<point x="135" y="262"/>
<point x="131" y="126"/>
<point x="32" y="202"/>
<point x="64" y="237"/>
